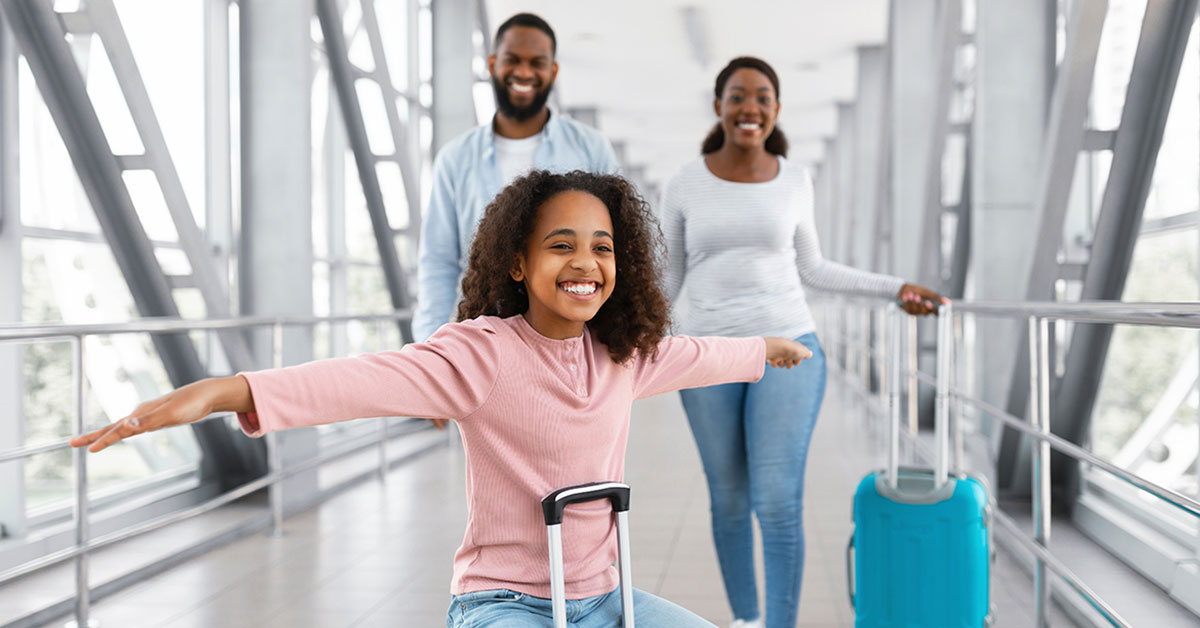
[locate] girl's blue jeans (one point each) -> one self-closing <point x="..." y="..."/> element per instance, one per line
<point x="753" y="441"/>
<point x="501" y="608"/>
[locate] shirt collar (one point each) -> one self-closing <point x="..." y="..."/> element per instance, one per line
<point x="549" y="131"/>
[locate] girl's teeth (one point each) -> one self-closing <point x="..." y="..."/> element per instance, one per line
<point x="581" y="289"/>
<point x="749" y="126"/>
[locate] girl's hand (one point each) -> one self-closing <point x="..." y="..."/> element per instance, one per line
<point x="184" y="405"/>
<point x="782" y="352"/>
<point x="919" y="300"/>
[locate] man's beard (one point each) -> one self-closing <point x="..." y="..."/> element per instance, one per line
<point x="520" y="114"/>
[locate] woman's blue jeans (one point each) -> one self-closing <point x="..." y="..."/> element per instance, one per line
<point x="753" y="441"/>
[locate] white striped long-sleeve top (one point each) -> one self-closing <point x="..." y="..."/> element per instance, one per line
<point x="746" y="251"/>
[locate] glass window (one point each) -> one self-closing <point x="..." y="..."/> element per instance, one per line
<point x="1146" y="408"/>
<point x="1175" y="188"/>
<point x="174" y="81"/>
<point x="1114" y="61"/>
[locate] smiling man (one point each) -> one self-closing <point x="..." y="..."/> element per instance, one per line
<point x="471" y="169"/>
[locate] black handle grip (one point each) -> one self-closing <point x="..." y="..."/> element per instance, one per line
<point x="554" y="503"/>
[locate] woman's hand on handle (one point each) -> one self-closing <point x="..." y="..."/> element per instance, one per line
<point x="187" y="404"/>
<point x="919" y="300"/>
<point x="782" y="352"/>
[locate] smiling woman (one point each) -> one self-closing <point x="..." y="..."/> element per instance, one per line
<point x="740" y="228"/>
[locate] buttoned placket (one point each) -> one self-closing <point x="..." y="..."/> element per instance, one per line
<point x="573" y="359"/>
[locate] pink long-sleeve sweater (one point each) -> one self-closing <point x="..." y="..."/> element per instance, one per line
<point x="535" y="413"/>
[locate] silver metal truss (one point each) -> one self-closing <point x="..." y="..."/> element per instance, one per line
<point x="1161" y="45"/>
<point x="344" y="75"/>
<point x="948" y="39"/>
<point x="42" y="37"/>
<point x="99" y="18"/>
<point x="9" y="141"/>
<point x="1156" y="66"/>
<point x="1064" y="138"/>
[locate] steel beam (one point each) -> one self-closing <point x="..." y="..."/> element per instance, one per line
<point x="1156" y="65"/>
<point x="1064" y="137"/>
<point x="218" y="147"/>
<point x="10" y="141"/>
<point x="1015" y="41"/>
<point x="955" y="284"/>
<point x="453" y="100"/>
<point x="158" y="159"/>
<point x="869" y="114"/>
<point x="391" y="96"/>
<point x="846" y="182"/>
<point x="912" y="48"/>
<point x="948" y="37"/>
<point x="275" y="262"/>
<point x="882" y="255"/>
<point x="12" y="359"/>
<point x="341" y="73"/>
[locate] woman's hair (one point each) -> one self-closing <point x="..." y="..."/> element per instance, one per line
<point x="776" y="142"/>
<point x="635" y="317"/>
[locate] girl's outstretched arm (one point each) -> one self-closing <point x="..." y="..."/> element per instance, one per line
<point x="782" y="352"/>
<point x="184" y="405"/>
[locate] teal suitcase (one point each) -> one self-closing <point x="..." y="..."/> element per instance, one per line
<point x="920" y="553"/>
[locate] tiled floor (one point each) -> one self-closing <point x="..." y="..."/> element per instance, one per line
<point x="380" y="554"/>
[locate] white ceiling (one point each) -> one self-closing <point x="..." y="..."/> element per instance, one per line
<point x="636" y="62"/>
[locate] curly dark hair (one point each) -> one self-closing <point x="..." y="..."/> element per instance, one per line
<point x="636" y="315"/>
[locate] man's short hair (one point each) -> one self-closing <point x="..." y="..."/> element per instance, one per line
<point x="530" y="20"/>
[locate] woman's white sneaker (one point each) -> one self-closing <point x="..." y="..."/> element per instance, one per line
<point x="741" y="623"/>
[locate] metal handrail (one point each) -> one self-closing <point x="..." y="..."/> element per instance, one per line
<point x="1179" y="500"/>
<point x="84" y="545"/>
<point x="1104" y="312"/>
<point x="1038" y="316"/>
<point x="164" y="324"/>
<point x="1064" y="572"/>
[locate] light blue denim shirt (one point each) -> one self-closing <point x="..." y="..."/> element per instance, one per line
<point x="465" y="180"/>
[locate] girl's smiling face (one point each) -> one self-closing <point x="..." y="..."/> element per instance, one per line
<point x="568" y="267"/>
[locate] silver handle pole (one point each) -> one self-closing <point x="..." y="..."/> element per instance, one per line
<point x="274" y="453"/>
<point x="383" y="422"/>
<point x="941" y="417"/>
<point x="626" y="566"/>
<point x="1039" y="415"/>
<point x="892" y="383"/>
<point x="956" y="403"/>
<point x="558" y="588"/>
<point x="82" y="532"/>
<point x="913" y="386"/>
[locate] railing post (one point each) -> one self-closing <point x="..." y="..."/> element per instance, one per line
<point x="1039" y="415"/>
<point x="83" y="599"/>
<point x="274" y="453"/>
<point x="892" y="383"/>
<point x="865" y="367"/>
<point x="383" y="422"/>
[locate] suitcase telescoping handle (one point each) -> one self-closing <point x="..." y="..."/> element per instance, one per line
<point x="553" y="506"/>
<point x="942" y="406"/>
